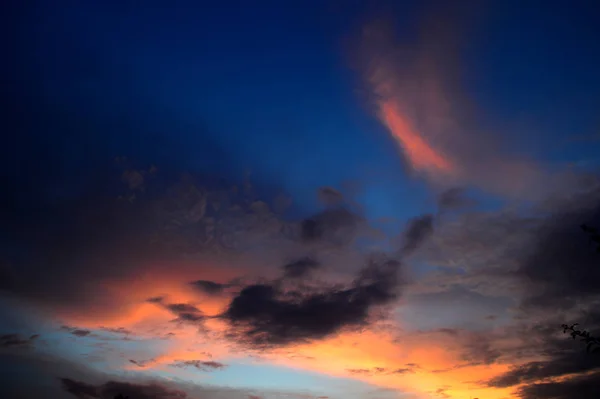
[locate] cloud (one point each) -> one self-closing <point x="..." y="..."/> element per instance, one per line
<point x="535" y="252"/>
<point x="202" y="365"/>
<point x="441" y="392"/>
<point x="562" y="268"/>
<point x="95" y="241"/>
<point x="93" y="228"/>
<point x="79" y="389"/>
<point x="334" y="226"/>
<point x="555" y="356"/>
<point x="417" y="90"/>
<point x="542" y="255"/>
<point x="185" y="312"/>
<point x="141" y="363"/>
<point x="330" y="196"/>
<point x="366" y="371"/>
<point x="16" y="341"/>
<point x="31" y="375"/>
<point x="581" y="387"/>
<point x="78" y="332"/>
<point x="112" y="254"/>
<point x="454" y="198"/>
<point x="562" y="364"/>
<point x="111" y="389"/>
<point x="117" y="330"/>
<point x="479" y="350"/>
<point x="418" y="230"/>
<point x="81" y="333"/>
<point x="300" y="268"/>
<point x="409" y="369"/>
<point x="403" y="370"/>
<point x="209" y="287"/>
<point x="269" y="316"/>
<point x="542" y="259"/>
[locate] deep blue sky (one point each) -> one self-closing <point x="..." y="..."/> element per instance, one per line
<point x="274" y="87"/>
<point x="268" y="86"/>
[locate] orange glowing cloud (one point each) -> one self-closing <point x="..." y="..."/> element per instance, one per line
<point x="415" y="364"/>
<point x="421" y="155"/>
<point x="132" y="311"/>
<point x="408" y="99"/>
<point x="417" y="93"/>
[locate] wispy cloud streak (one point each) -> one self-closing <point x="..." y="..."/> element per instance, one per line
<point x="417" y="90"/>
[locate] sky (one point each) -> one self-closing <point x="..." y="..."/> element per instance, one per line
<point x="302" y="199"/>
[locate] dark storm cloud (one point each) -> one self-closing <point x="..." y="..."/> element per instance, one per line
<point x="336" y="226"/>
<point x="563" y="357"/>
<point x="543" y="259"/>
<point x="556" y="367"/>
<point x="209" y="287"/>
<point x="111" y="389"/>
<point x="542" y="255"/>
<point x="265" y="314"/>
<point x="417" y="231"/>
<point x="268" y="316"/>
<point x="82" y="241"/>
<point x="16" y="341"/>
<point x="575" y="372"/>
<point x="563" y="266"/>
<point x="202" y="365"/>
<point x="559" y="273"/>
<point x="300" y="268"/>
<point x="580" y="387"/>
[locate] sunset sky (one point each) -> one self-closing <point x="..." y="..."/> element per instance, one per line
<point x="334" y="199"/>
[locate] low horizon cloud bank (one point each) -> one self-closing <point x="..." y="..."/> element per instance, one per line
<point x="540" y="260"/>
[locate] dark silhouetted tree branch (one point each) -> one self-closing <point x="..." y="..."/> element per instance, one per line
<point x="592" y="343"/>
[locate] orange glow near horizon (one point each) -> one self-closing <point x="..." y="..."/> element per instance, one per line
<point x="370" y="349"/>
<point x="334" y="356"/>
<point x="131" y="294"/>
